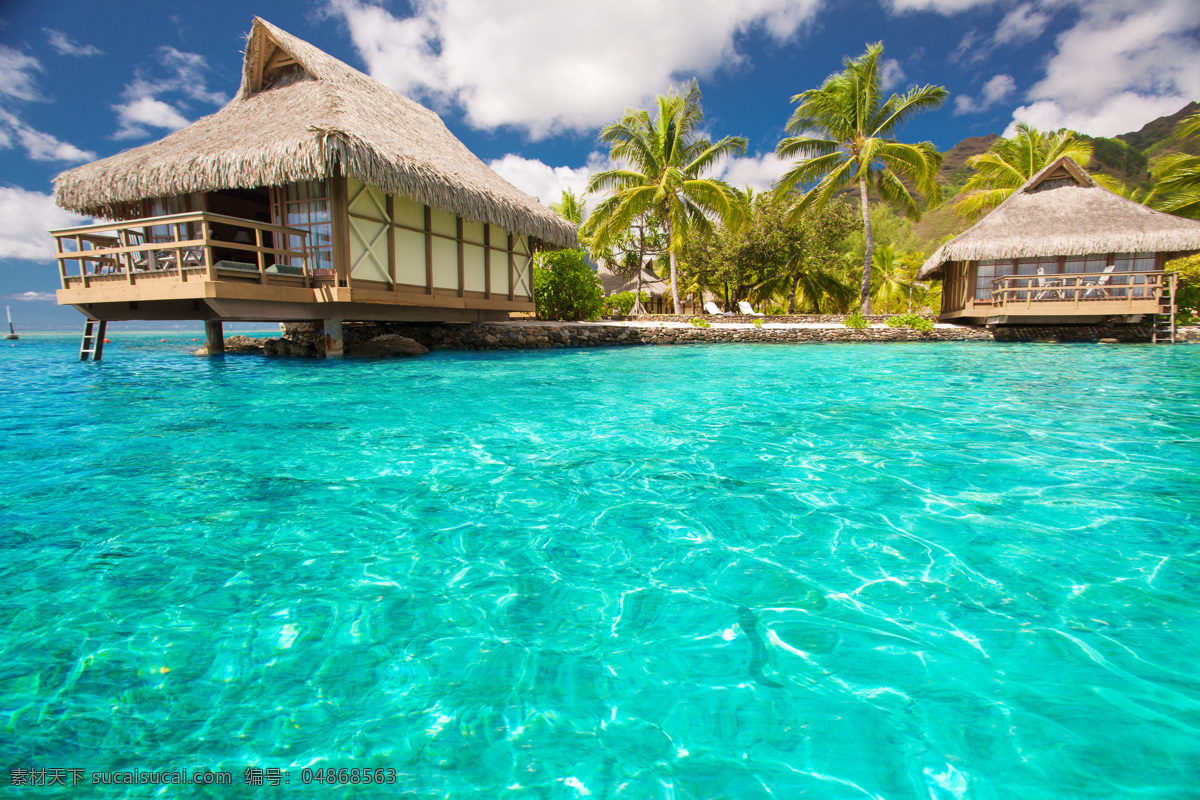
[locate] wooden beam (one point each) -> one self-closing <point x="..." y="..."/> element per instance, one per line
<point x="428" y="250"/>
<point x="487" y="260"/>
<point x="462" y="271"/>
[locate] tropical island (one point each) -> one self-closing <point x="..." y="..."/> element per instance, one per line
<point x="380" y="216"/>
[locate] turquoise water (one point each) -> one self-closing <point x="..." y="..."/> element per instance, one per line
<point x="834" y="571"/>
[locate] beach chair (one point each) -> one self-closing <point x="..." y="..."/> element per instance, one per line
<point x="747" y="309"/>
<point x="711" y="308"/>
<point x="1096" y="288"/>
<point x="1043" y="282"/>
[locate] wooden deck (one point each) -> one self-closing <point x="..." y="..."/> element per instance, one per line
<point x="1065" y="298"/>
<point x="214" y="267"/>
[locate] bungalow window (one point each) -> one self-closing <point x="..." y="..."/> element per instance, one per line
<point x="305" y="205"/>
<point x="985" y="275"/>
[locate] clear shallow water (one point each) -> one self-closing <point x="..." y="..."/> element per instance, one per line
<point x="897" y="571"/>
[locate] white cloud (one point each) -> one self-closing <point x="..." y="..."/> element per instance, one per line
<point x="891" y="74"/>
<point x="758" y="172"/>
<point x="25" y="221"/>
<point x="144" y="107"/>
<point x="995" y="90"/>
<point x="1022" y="24"/>
<point x="1119" y="67"/>
<point x="544" y="181"/>
<point x="40" y="297"/>
<point x="17" y="74"/>
<point x="136" y="115"/>
<point x="939" y="6"/>
<point x="547" y="66"/>
<point x="38" y="146"/>
<point x="66" y="46"/>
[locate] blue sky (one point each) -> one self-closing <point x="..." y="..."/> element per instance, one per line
<point x="526" y="84"/>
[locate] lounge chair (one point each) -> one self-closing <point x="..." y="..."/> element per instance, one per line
<point x="1043" y="282"/>
<point x="711" y="308"/>
<point x="1096" y="288"/>
<point x="747" y="309"/>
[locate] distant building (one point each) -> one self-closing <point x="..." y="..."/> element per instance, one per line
<point x="1062" y="249"/>
<point x="316" y="194"/>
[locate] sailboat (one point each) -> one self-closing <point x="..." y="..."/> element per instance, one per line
<point x="11" y="333"/>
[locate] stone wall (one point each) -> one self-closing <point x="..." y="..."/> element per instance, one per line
<point x="542" y="335"/>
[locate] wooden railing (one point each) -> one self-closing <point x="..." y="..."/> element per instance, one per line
<point x="1083" y="289"/>
<point x="195" y="246"/>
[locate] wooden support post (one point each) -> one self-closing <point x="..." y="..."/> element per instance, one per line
<point x="214" y="336"/>
<point x="333" y="338"/>
<point x="462" y="279"/>
<point x="487" y="261"/>
<point x="428" y="250"/>
<point x="511" y="266"/>
<point x="390" y="210"/>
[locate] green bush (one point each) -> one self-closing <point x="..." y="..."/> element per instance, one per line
<point x="564" y="287"/>
<point x="856" y="321"/>
<point x="914" y="321"/>
<point x="700" y="323"/>
<point x="622" y="302"/>
<point x="758" y="323"/>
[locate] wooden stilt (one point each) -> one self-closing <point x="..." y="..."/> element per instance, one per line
<point x="333" y="338"/>
<point x="214" y="335"/>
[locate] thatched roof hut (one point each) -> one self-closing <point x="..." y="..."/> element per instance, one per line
<point x="1062" y="211"/>
<point x="302" y="115"/>
<point x="614" y="283"/>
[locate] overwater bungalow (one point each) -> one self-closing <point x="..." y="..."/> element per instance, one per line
<point x="316" y="194"/>
<point x="1063" y="250"/>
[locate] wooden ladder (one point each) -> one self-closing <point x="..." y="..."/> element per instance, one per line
<point x="92" y="346"/>
<point x="1163" y="323"/>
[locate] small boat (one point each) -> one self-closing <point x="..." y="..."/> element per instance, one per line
<point x="11" y="333"/>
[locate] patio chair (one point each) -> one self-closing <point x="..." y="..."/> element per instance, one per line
<point x="747" y="309"/>
<point x="1096" y="288"/>
<point x="711" y="308"/>
<point x="1048" y="293"/>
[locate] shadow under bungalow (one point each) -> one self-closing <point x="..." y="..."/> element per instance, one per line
<point x="316" y="194"/>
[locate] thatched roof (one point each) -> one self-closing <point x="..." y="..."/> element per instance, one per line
<point x="615" y="283"/>
<point x="1062" y="211"/>
<point x="300" y="115"/>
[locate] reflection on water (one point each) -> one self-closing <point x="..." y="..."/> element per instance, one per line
<point x="934" y="571"/>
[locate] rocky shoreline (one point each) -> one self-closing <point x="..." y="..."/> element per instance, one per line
<point x="394" y="339"/>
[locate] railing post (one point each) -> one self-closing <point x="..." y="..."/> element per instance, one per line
<point x="262" y="266"/>
<point x="208" y="259"/>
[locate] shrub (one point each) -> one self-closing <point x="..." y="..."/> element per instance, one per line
<point x="564" y="287"/>
<point x="700" y="323"/>
<point x="856" y="321"/>
<point x="622" y="302"/>
<point x="758" y="323"/>
<point x="914" y="321"/>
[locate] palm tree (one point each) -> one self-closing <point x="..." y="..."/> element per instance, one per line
<point x="1010" y="163"/>
<point x="1179" y="177"/>
<point x="666" y="160"/>
<point x="855" y="147"/>
<point x="570" y="207"/>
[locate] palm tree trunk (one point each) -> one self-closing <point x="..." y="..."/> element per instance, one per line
<point x="869" y="254"/>
<point x="792" y="295"/>
<point x="674" y="268"/>
<point x="637" y="294"/>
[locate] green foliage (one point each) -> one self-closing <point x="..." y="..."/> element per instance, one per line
<point x="1187" y="297"/>
<point x="856" y="321"/>
<point x="772" y="256"/>
<point x="700" y="323"/>
<point x="1178" y="177"/>
<point x="622" y="302"/>
<point x="569" y="207"/>
<point x="914" y="321"/>
<point x="1117" y="155"/>
<point x="564" y="286"/>
<point x="758" y="323"/>
<point x="854" y="145"/>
